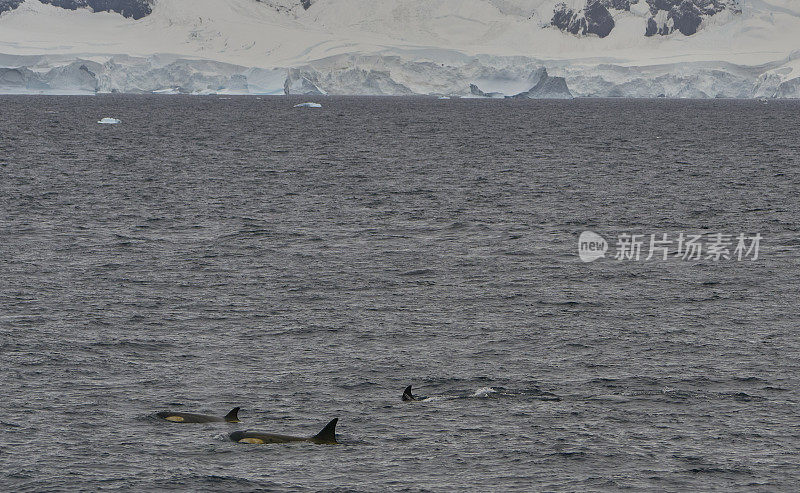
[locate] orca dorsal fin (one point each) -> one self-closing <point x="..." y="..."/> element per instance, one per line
<point x="233" y="416"/>
<point x="407" y="396"/>
<point x="328" y="434"/>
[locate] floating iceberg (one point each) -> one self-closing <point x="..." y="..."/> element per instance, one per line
<point x="109" y="121"/>
<point x="308" y="105"/>
<point x="444" y="97"/>
<point x="547" y="88"/>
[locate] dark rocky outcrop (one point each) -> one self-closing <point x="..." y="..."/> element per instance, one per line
<point x="652" y="27"/>
<point x="6" y="5"/>
<point x="684" y="16"/>
<point x="619" y="4"/>
<point x="547" y="88"/>
<point x="708" y="7"/>
<point x="135" y="9"/>
<point x="593" y="19"/>
<point x="563" y="18"/>
<point x="287" y="6"/>
<point x="598" y="19"/>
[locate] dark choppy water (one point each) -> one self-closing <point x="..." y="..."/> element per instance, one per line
<point x="306" y="264"/>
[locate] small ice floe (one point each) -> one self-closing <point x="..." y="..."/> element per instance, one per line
<point x="308" y="105"/>
<point x="109" y="121"/>
<point x="484" y="392"/>
<point x="444" y="97"/>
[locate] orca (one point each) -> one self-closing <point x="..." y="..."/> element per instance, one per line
<point x="408" y="396"/>
<point x="326" y="436"/>
<point x="231" y="417"/>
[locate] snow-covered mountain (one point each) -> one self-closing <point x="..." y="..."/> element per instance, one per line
<point x="468" y="48"/>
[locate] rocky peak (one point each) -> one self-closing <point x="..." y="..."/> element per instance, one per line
<point x="135" y="9"/>
<point x="685" y="16"/>
<point x="593" y="19"/>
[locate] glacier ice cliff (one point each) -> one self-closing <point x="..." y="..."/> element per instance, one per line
<point x="456" y="48"/>
<point x="398" y="75"/>
<point x="125" y="74"/>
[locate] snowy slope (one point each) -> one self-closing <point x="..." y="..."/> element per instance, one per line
<point x="741" y="48"/>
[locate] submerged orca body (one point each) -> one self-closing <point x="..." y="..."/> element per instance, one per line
<point x="408" y="396"/>
<point x="326" y="436"/>
<point x="231" y="417"/>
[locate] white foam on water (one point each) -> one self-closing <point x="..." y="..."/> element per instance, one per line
<point x="484" y="392"/>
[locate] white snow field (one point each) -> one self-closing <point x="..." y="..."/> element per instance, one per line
<point x="453" y="48"/>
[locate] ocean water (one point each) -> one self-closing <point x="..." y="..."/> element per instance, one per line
<point x="305" y="264"/>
